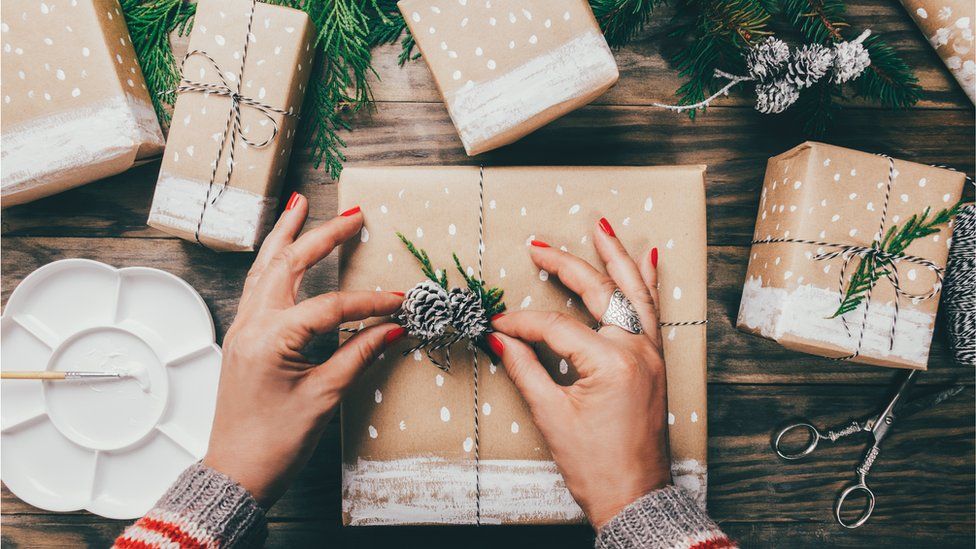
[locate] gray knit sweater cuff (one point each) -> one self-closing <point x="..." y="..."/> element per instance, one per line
<point x="665" y="518"/>
<point x="210" y="505"/>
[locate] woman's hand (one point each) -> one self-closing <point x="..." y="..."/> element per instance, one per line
<point x="607" y="431"/>
<point x="272" y="403"/>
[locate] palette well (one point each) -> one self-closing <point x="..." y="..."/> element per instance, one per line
<point x="113" y="446"/>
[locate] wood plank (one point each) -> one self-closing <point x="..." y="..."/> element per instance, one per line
<point x="646" y="77"/>
<point x="923" y="478"/>
<point x="732" y="142"/>
<point x="218" y="277"/>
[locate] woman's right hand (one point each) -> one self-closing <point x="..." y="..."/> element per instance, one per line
<point x="607" y="431"/>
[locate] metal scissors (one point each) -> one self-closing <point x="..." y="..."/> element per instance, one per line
<point x="878" y="426"/>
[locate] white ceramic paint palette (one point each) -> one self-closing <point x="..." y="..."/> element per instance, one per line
<point x="111" y="447"/>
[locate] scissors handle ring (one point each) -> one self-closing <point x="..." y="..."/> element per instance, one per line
<point x="814" y="434"/>
<point x="865" y="514"/>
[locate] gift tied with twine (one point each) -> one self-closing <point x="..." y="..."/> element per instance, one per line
<point x="881" y="259"/>
<point x="470" y="329"/>
<point x="233" y="128"/>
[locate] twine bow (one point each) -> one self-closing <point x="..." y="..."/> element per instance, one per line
<point x="233" y="128"/>
<point x="879" y="258"/>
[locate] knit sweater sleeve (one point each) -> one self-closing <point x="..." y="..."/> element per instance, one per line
<point x="202" y="509"/>
<point x="663" y="519"/>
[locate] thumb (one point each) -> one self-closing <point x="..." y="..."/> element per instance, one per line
<point x="526" y="372"/>
<point x="337" y="374"/>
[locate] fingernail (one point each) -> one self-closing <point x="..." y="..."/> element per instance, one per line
<point x="605" y="225"/>
<point x="654" y="257"/>
<point x="394" y="335"/>
<point x="539" y="244"/>
<point x="496" y="345"/>
<point x="292" y="200"/>
<point x="350" y="212"/>
<point x="496" y="317"/>
<point x="401" y="294"/>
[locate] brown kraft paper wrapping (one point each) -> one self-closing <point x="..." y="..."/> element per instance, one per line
<point x="75" y="107"/>
<point x="829" y="194"/>
<point x="508" y="67"/>
<point x="408" y="428"/>
<point x="275" y="73"/>
<point x="948" y="26"/>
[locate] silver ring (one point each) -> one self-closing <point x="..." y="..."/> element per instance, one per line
<point x="622" y="314"/>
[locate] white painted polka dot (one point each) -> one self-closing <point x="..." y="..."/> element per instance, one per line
<point x="492" y="64"/>
<point x="836" y="177"/>
<point x="533" y="39"/>
<point x="456" y="75"/>
<point x="492" y="204"/>
<point x="364" y="235"/>
<point x="378" y="396"/>
<point x="566" y="16"/>
<point x="694" y="417"/>
<point x="415" y="16"/>
<point x="75" y="92"/>
<point x="563" y="366"/>
<point x="468" y="444"/>
<point x="479" y="52"/>
<point x="797" y="184"/>
<point x="403" y="425"/>
<point x="559" y="190"/>
<point x="543" y="275"/>
<point x="904" y="198"/>
<point x="420" y="232"/>
<point x="677" y="292"/>
<point x="515" y="427"/>
<point x="670" y="244"/>
<point x="501" y="273"/>
<point x="852" y="232"/>
<point x="852" y="196"/>
<point x="670" y="418"/>
<point x="922" y="182"/>
<point x="946" y="197"/>
<point x="439" y="380"/>
<point x="486" y="409"/>
<point x="372" y="432"/>
<point x="648" y="204"/>
<point x="445" y="414"/>
<point x="835" y="217"/>
<point x="574" y="209"/>
<point x="672" y="333"/>
<point x="912" y="275"/>
<point x="219" y="39"/>
<point x="526" y="302"/>
<point x="787" y="275"/>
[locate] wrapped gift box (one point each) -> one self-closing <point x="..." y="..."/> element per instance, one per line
<point x="75" y="107"/>
<point x="831" y="199"/>
<point x="948" y="26"/>
<point x="408" y="427"/>
<point x="506" y="68"/>
<point x="196" y="198"/>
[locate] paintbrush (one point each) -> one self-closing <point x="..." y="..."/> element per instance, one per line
<point x="63" y="376"/>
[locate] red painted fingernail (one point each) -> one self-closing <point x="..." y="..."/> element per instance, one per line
<point x="401" y="294"/>
<point x="394" y="335"/>
<point x="350" y="212"/>
<point x="496" y="345"/>
<point x="654" y="257"/>
<point x="539" y="244"/>
<point x="292" y="200"/>
<point x="496" y="317"/>
<point x="605" y="225"/>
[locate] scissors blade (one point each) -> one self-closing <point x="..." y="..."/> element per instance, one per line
<point x="923" y="403"/>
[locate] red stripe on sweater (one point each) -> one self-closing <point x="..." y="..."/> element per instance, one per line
<point x="715" y="543"/>
<point x="123" y="542"/>
<point x="168" y="529"/>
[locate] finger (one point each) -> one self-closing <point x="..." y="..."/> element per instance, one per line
<point x="563" y="334"/>
<point x="286" y="229"/>
<point x="648" y="272"/>
<point x="593" y="287"/>
<point x="286" y="269"/>
<point x="334" y="377"/>
<point x="526" y="372"/>
<point x="325" y="312"/>
<point x="623" y="271"/>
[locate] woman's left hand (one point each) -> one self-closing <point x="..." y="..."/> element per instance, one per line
<point x="273" y="403"/>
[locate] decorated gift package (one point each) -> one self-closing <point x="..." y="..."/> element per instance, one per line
<point x="411" y="451"/>
<point x="849" y="253"/>
<point x="234" y="123"/>
<point x="75" y="107"/>
<point x="948" y="26"/>
<point x="506" y="68"/>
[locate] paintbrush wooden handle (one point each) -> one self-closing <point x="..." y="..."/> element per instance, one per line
<point x="32" y="375"/>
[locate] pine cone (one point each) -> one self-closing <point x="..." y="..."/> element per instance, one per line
<point x="776" y="96"/>
<point x="850" y="60"/>
<point x="766" y="59"/>
<point x="809" y="64"/>
<point x="467" y="313"/>
<point x="426" y="311"/>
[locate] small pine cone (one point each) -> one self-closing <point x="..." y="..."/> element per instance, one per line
<point x="850" y="60"/>
<point x="809" y="64"/>
<point x="766" y="59"/>
<point x="467" y="313"/>
<point x="776" y="96"/>
<point x="425" y="311"/>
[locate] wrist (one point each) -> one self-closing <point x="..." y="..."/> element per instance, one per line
<point x="237" y="470"/>
<point x="611" y="502"/>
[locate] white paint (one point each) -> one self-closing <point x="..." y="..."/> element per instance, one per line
<point x="468" y="444"/>
<point x="543" y="275"/>
<point x="378" y="396"/>
<point x="692" y="476"/>
<point x="403" y="425"/>
<point x="677" y="292"/>
<point x="648" y="204"/>
<point x="106" y="135"/>
<point x="563" y="366"/>
<point x="804" y="312"/>
<point x="364" y="235"/>
<point x="445" y="414"/>
<point x="439" y="380"/>
<point x="487" y="109"/>
<point x="671" y="418"/>
<point x="526" y="302"/>
<point x="372" y="432"/>
<point x="574" y="209"/>
<point x="515" y="427"/>
<point x="486" y="409"/>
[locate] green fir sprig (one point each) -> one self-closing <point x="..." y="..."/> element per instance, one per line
<point x="622" y="20"/>
<point x="491" y="297"/>
<point x="896" y="240"/>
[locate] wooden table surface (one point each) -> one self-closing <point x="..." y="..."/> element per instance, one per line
<point x="924" y="479"/>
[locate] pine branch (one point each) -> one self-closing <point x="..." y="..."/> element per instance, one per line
<point x="150" y="25"/>
<point x="491" y="298"/>
<point x="817" y="107"/>
<point x="438" y="276"/>
<point x="896" y="240"/>
<point x="621" y="20"/>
